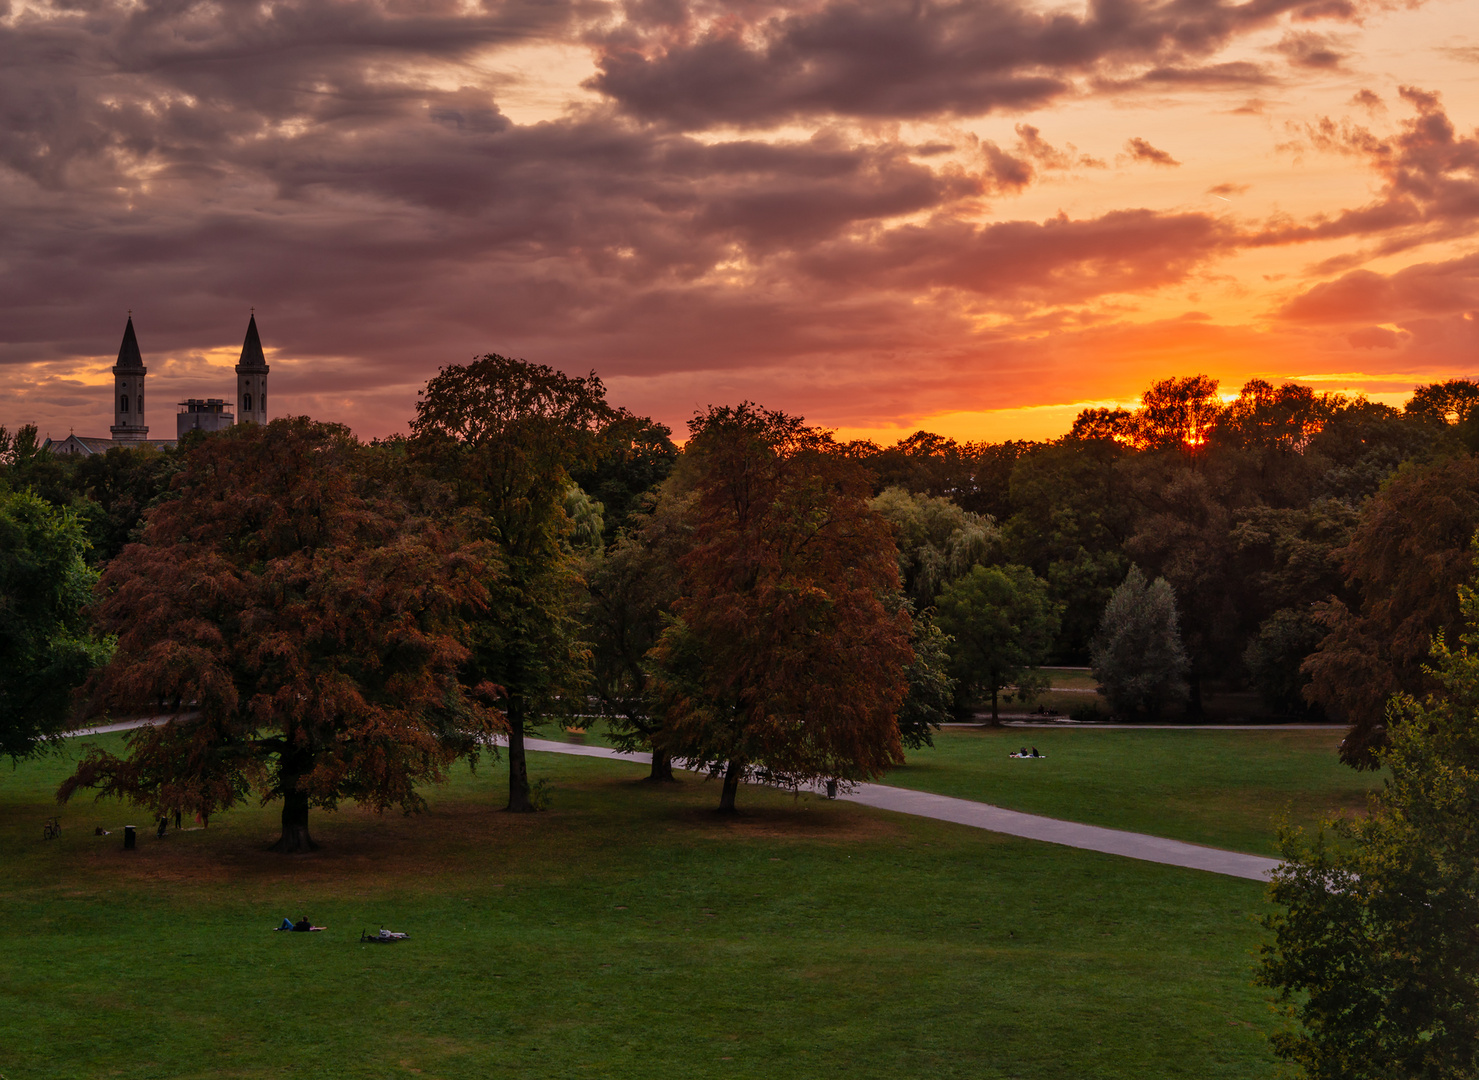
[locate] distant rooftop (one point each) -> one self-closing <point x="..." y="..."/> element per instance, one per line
<point x="210" y="405"/>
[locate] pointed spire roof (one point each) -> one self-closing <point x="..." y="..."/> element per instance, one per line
<point x="252" y="358"/>
<point x="128" y="353"/>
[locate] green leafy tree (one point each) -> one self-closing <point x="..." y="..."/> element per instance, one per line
<point x="974" y="476"/>
<point x="1069" y="524"/>
<point x="931" y="695"/>
<point x="1275" y="658"/>
<point x="781" y="653"/>
<point x="25" y="466"/>
<point x="937" y="540"/>
<point x="311" y="624"/>
<point x="630" y="591"/>
<point x="634" y="455"/>
<point x="115" y="490"/>
<point x="506" y="435"/>
<point x="47" y="647"/>
<point x="1375" y="956"/>
<point x="1137" y="656"/>
<point x="1002" y="623"/>
<point x="587" y="519"/>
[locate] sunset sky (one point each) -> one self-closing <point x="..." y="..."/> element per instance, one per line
<point x="974" y="218"/>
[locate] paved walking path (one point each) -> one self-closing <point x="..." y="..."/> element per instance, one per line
<point x="1014" y="823"/>
<point x="962" y="812"/>
<point x="1021" y="720"/>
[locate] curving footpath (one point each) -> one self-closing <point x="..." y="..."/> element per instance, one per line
<point x="976" y="815"/>
<point x="1015" y="823"/>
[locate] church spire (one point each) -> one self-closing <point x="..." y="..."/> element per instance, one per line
<point x="251" y="349"/>
<point x="128" y="389"/>
<point x="128" y="353"/>
<point x="251" y="378"/>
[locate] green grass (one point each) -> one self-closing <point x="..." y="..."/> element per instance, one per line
<point x="628" y="932"/>
<point x="1070" y="678"/>
<point x="1228" y="789"/>
<point x="1224" y="788"/>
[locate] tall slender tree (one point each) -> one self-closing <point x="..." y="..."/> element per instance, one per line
<point x="1137" y="654"/>
<point x="506" y="434"/>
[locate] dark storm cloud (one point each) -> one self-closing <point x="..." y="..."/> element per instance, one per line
<point x="83" y="95"/>
<point x="760" y="64"/>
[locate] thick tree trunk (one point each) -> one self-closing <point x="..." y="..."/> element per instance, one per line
<point x="995" y="716"/>
<point x="662" y="768"/>
<point x="1194" y="709"/>
<point x="295" y="838"/>
<point x="518" y="766"/>
<point x="731" y="786"/>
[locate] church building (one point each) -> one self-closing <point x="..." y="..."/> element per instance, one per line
<point x="209" y="414"/>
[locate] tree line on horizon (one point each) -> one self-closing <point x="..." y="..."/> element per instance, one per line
<point x="325" y="619"/>
<point x="1305" y="546"/>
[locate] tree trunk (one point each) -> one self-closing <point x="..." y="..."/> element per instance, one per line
<point x="662" y="768"/>
<point x="1194" y="709"/>
<point x="518" y="767"/>
<point x="295" y="838"/>
<point x="995" y="716"/>
<point x="731" y="786"/>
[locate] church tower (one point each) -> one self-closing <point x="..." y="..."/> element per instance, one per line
<point x="128" y="389"/>
<point x="251" y="379"/>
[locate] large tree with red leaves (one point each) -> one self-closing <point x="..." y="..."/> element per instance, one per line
<point x="303" y="625"/>
<point x="784" y="655"/>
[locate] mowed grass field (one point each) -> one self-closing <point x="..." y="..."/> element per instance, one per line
<point x="626" y="932"/>
<point x="1226" y="789"/>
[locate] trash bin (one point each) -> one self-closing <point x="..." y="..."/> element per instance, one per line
<point x="831" y="789"/>
<point x="129" y="839"/>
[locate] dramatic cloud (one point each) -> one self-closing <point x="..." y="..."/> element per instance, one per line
<point x="861" y="211"/>
<point x="762" y="64"/>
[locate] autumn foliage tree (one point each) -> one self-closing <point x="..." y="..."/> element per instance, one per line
<point x="303" y="627"/>
<point x="782" y="654"/>
<point x="1407" y="558"/>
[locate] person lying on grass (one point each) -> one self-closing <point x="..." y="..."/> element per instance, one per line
<point x="1025" y="753"/>
<point x="302" y="926"/>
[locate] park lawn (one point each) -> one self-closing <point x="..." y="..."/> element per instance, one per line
<point x="627" y="932"/>
<point x="1227" y="789"/>
<point x="1070" y="678"/>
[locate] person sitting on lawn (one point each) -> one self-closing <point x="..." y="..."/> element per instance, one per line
<point x="1035" y="753"/>
<point x="303" y="926"/>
